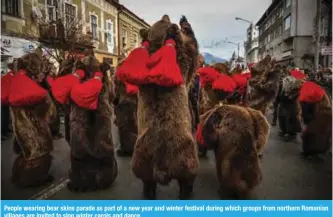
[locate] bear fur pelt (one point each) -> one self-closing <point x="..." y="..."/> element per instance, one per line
<point x="289" y="110"/>
<point x="66" y="67"/>
<point x="93" y="162"/>
<point x="125" y="111"/>
<point x="234" y="133"/>
<point x="32" y="136"/>
<point x="317" y="117"/>
<point x="165" y="148"/>
<point x="263" y="85"/>
<point x="222" y="68"/>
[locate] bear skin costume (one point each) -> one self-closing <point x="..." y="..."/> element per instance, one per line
<point x="93" y="162"/>
<point x="165" y="149"/>
<point x="234" y="132"/>
<point x="317" y="117"/>
<point x="289" y="110"/>
<point x="285" y="73"/>
<point x="227" y="89"/>
<point x="263" y="85"/>
<point x="65" y="69"/>
<point x="207" y="97"/>
<point x="32" y="110"/>
<point x="125" y="103"/>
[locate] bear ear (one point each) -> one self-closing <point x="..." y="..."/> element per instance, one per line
<point x="144" y="34"/>
<point x="166" y="18"/>
<point x="173" y="31"/>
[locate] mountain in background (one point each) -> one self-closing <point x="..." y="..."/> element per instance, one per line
<point x="210" y="58"/>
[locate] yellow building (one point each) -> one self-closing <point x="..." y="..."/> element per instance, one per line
<point x="129" y="27"/>
<point x="100" y="20"/>
<point x="16" y="24"/>
<point x="113" y="28"/>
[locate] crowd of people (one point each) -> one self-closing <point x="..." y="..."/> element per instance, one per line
<point x="170" y="109"/>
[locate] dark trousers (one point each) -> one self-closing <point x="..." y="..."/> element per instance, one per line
<point x="275" y="111"/>
<point x="5" y="120"/>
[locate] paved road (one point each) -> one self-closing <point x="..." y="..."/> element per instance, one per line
<point x="286" y="175"/>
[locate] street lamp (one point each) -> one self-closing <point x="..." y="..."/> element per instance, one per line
<point x="237" y="44"/>
<point x="238" y="18"/>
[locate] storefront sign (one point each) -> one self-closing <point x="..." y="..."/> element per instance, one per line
<point x="5" y="42"/>
<point x="16" y="47"/>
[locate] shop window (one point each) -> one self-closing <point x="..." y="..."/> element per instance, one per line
<point x="11" y="7"/>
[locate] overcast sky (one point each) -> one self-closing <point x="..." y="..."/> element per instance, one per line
<point x="212" y="20"/>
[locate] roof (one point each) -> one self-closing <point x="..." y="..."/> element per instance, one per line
<point x="121" y="7"/>
<point x="268" y="11"/>
<point x="133" y="14"/>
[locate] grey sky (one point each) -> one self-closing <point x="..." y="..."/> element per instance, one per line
<point x="212" y="20"/>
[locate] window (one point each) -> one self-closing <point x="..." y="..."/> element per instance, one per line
<point x="288" y="2"/>
<point x="135" y="40"/>
<point x="51" y="6"/>
<point x="70" y="12"/>
<point x="110" y="32"/>
<point x="109" y="36"/>
<point x="287" y="22"/>
<point x="123" y="39"/>
<point x="11" y="7"/>
<point x="94" y="26"/>
<point x="324" y="26"/>
<point x="273" y="19"/>
<point x="281" y="12"/>
<point x="269" y="38"/>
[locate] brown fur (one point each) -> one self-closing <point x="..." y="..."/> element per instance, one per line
<point x="234" y="133"/>
<point x="93" y="164"/>
<point x="126" y="121"/>
<point x="263" y="85"/>
<point x="318" y="136"/>
<point x="66" y="67"/>
<point x="222" y="68"/>
<point x="165" y="148"/>
<point x="33" y="140"/>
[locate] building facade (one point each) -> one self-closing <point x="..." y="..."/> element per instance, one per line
<point x="286" y="32"/>
<point x="129" y="27"/>
<point x="22" y="22"/>
<point x="100" y="21"/>
<point x="325" y="33"/>
<point x="16" y="21"/>
<point x="251" y="45"/>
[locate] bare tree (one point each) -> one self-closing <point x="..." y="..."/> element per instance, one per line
<point x="63" y="35"/>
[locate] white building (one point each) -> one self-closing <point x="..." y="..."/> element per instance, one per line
<point x="252" y="44"/>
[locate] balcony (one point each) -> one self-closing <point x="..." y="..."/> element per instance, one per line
<point x="51" y="32"/>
